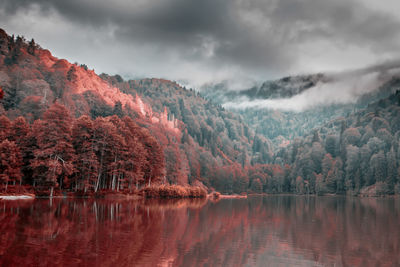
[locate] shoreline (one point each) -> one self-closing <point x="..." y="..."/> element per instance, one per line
<point x="18" y="197"/>
<point x="211" y="196"/>
<point x="232" y="196"/>
<point x="323" y="195"/>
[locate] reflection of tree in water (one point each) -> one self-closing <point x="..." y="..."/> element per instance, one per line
<point x="232" y="232"/>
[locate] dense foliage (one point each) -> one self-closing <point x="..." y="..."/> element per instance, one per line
<point x="197" y="138"/>
<point x="281" y="126"/>
<point x="356" y="154"/>
<point x="64" y="127"/>
<point x="81" y="154"/>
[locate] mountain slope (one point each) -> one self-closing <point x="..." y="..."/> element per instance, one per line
<point x="63" y="126"/>
<point x="267" y="107"/>
<point x="197" y="138"/>
<point x="357" y="154"/>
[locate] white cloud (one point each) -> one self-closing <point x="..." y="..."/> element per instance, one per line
<point x="338" y="88"/>
<point x="200" y="42"/>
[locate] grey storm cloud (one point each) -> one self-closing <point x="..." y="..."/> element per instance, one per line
<point x="259" y="38"/>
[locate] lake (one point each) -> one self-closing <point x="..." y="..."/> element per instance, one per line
<point x="258" y="231"/>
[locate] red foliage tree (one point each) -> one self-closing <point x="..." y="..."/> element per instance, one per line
<point x="54" y="155"/>
<point x="105" y="143"/>
<point x="85" y="162"/>
<point x="155" y="168"/>
<point x="135" y="154"/>
<point x="10" y="163"/>
<point x="5" y="126"/>
<point x="20" y="133"/>
<point x="175" y="165"/>
<point x="19" y="130"/>
<point x="120" y="154"/>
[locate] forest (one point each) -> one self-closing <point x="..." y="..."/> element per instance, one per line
<point x="63" y="128"/>
<point x="359" y="154"/>
<point x="81" y="154"/>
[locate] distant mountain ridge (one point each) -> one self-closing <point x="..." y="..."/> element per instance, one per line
<point x="282" y="88"/>
<point x="281" y="126"/>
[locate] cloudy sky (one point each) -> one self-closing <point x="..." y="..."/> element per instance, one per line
<point x="202" y="41"/>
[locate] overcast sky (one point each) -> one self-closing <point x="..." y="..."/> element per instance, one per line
<point x="202" y="41"/>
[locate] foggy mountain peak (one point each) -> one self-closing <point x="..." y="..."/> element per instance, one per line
<point x="305" y="92"/>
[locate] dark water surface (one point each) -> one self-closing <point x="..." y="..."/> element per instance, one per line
<point x="259" y="231"/>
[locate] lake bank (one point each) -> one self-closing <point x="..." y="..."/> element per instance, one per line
<point x="156" y="191"/>
<point x="17" y="197"/>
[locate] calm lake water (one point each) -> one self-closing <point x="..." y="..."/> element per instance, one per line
<point x="259" y="231"/>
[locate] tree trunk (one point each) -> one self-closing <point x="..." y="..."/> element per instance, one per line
<point x="100" y="169"/>
<point x="113" y="176"/>
<point x="118" y="183"/>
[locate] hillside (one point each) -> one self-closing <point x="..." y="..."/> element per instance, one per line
<point x="279" y="123"/>
<point x="357" y="154"/>
<point x="222" y="132"/>
<point x="331" y="148"/>
<point x="65" y="127"/>
<point x="194" y="139"/>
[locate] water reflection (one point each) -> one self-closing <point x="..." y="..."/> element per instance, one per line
<point x="260" y="231"/>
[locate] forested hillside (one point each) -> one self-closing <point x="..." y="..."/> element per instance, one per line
<point x="281" y="125"/>
<point x="208" y="125"/>
<point x="356" y="154"/>
<point x="89" y="133"/>
<point x="64" y="127"/>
